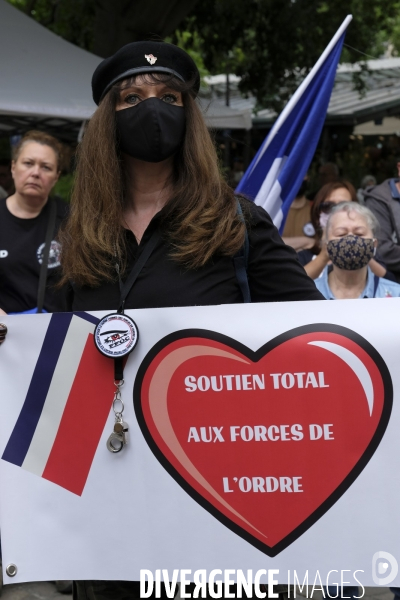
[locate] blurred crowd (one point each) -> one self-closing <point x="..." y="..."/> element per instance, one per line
<point x="324" y="211"/>
<point x="347" y="239"/>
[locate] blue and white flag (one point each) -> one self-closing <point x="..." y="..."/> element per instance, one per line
<point x="276" y="172"/>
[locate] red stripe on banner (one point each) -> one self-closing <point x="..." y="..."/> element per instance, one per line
<point x="83" y="421"/>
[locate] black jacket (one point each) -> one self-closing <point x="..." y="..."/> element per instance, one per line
<point x="274" y="275"/>
<point x="380" y="201"/>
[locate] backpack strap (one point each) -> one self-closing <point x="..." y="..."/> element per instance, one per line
<point x="241" y="261"/>
<point x="45" y="256"/>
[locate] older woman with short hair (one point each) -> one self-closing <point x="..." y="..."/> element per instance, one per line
<point x="350" y="241"/>
<point x="315" y="259"/>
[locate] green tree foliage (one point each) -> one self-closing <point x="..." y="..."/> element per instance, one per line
<point x="192" y="43"/>
<point x="272" y="44"/>
<point x="118" y="22"/>
<point x="103" y="26"/>
<point x="71" y="19"/>
<point x="388" y="39"/>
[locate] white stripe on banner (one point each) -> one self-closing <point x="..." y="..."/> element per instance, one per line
<point x="271" y="191"/>
<point x="60" y="387"/>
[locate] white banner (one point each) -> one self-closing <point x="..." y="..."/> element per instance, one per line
<point x="262" y="436"/>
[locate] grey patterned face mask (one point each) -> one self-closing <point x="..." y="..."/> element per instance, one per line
<point x="351" y="252"/>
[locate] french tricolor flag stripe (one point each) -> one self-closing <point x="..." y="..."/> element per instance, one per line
<point x="67" y="424"/>
<point x="57" y="396"/>
<point x="83" y="421"/>
<point x="27" y="422"/>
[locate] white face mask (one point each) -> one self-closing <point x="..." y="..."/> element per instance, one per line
<point x="323" y="219"/>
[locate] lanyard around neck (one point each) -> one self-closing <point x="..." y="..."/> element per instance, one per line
<point x="115" y="336"/>
<point x="126" y="287"/>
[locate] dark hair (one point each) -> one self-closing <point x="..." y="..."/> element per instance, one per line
<point x="321" y="197"/>
<point x="40" y="138"/>
<point x="202" y="213"/>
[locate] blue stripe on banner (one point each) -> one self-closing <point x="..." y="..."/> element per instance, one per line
<point x="87" y="317"/>
<point x="25" y="427"/>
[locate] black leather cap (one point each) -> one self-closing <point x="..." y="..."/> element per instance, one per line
<point x="143" y="57"/>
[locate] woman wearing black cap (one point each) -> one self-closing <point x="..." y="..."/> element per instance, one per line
<point x="148" y="182"/>
<point x="146" y="163"/>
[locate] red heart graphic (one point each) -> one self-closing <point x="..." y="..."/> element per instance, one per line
<point x="266" y="441"/>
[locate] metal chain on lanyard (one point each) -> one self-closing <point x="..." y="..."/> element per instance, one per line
<point x="115" y="336"/>
<point x="120" y="436"/>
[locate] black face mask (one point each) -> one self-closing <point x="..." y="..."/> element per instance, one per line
<point x="151" y="131"/>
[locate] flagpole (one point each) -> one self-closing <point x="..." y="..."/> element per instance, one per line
<point x="298" y="93"/>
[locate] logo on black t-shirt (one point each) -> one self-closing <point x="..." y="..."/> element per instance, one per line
<point x="54" y="254"/>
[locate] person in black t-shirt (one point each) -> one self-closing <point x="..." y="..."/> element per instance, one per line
<point x="24" y="219"/>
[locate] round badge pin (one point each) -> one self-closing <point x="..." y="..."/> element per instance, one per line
<point x="308" y="229"/>
<point x="116" y="335"/>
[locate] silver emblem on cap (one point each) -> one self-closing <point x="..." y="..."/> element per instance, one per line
<point x="150" y="58"/>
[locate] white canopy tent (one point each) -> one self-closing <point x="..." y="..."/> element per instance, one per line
<point x="45" y="82"/>
<point x="41" y="74"/>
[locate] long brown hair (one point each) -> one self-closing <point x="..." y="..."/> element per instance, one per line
<point x="202" y="214"/>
